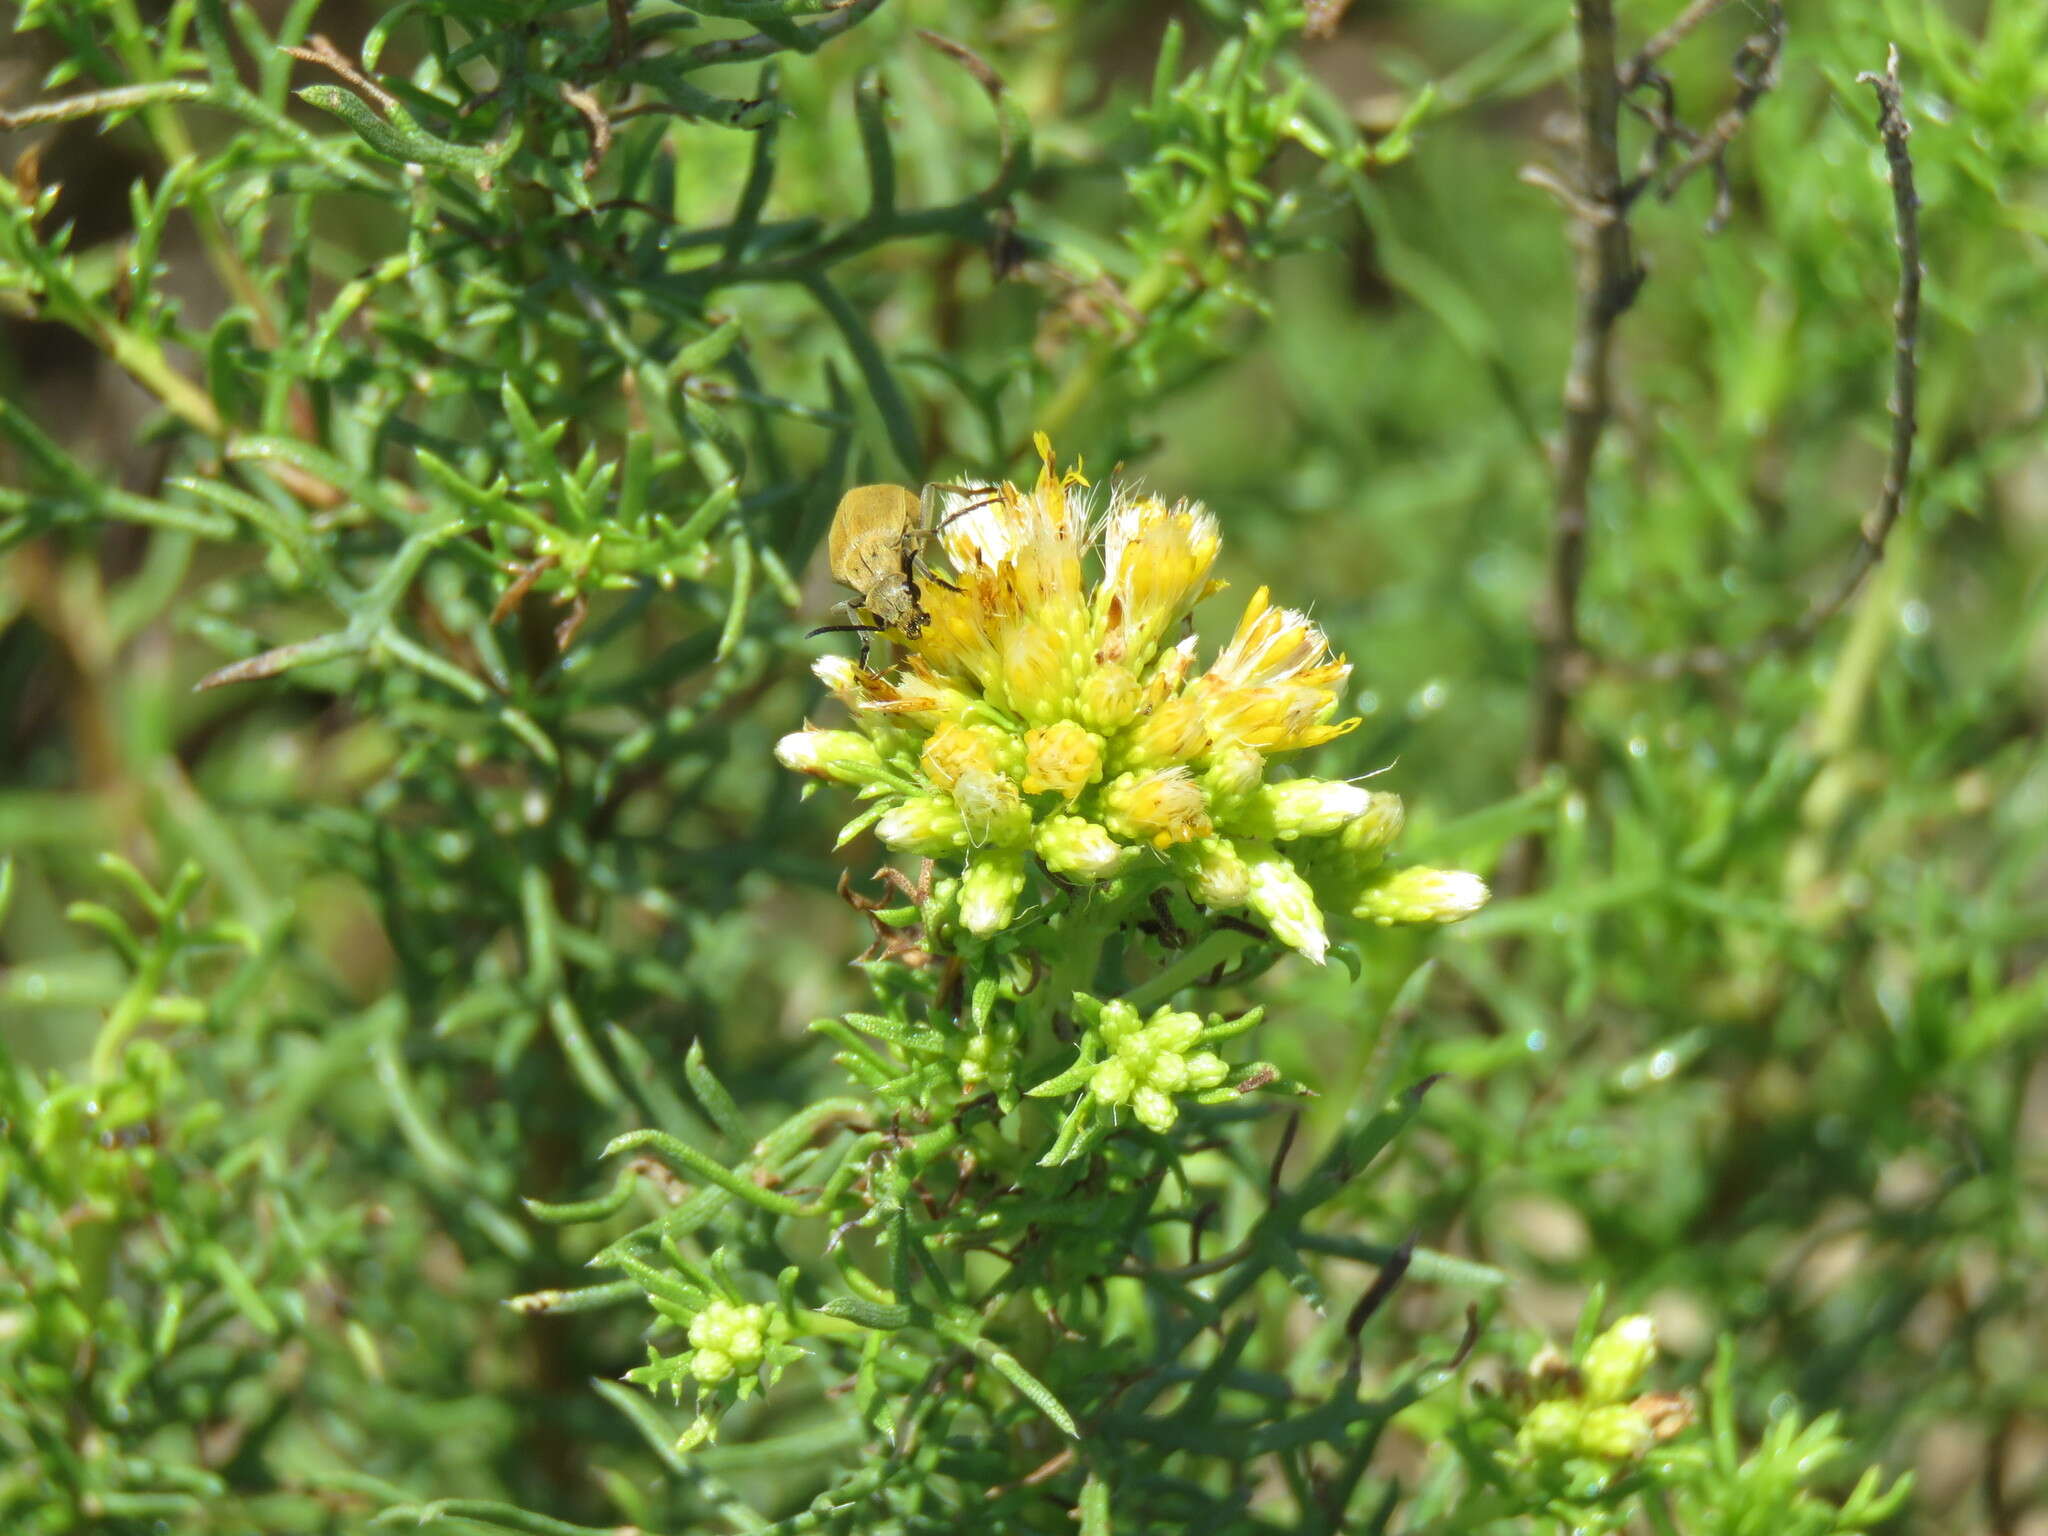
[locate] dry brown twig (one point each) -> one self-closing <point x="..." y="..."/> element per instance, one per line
<point x="1638" y="68"/>
<point x="318" y="50"/>
<point x="1877" y="525"/>
<point x="1608" y="279"/>
<point x="1756" y="71"/>
<point x="592" y="113"/>
<point x="1609" y="275"/>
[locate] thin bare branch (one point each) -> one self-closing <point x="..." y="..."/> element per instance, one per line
<point x="736" y="50"/>
<point x="1756" y="71"/>
<point x="1608" y="279"/>
<point x="318" y="50"/>
<point x="600" y="126"/>
<point x="1324" y="17"/>
<point x="1877" y="525"/>
<point x="1638" y="68"/>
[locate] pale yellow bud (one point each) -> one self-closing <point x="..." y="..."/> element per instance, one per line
<point x="1162" y="808"/>
<point x="1297" y="808"/>
<point x="1063" y="758"/>
<point x="1616" y="1361"/>
<point x="1420" y="894"/>
<point x="990" y="808"/>
<point x="989" y="891"/>
<point x="926" y="824"/>
<point x="1109" y="698"/>
<point x="846" y="757"/>
<point x="1172" y="733"/>
<point x="1078" y="849"/>
<point x="1213" y="872"/>
<point x="1550" y="1431"/>
<point x="1615" y="1433"/>
<point x="1284" y="900"/>
<point x="1367" y="838"/>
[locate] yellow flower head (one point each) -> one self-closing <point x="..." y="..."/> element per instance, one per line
<point x="1050" y="714"/>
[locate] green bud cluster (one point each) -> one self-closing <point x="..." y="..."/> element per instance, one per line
<point x="1149" y="1067"/>
<point x="1586" y="1411"/>
<point x="727" y="1339"/>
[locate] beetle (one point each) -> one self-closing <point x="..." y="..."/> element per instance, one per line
<point x="877" y="532"/>
<point x="873" y="549"/>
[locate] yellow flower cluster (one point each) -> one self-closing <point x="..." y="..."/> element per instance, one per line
<point x="1038" y="715"/>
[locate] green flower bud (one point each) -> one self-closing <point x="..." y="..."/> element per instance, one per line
<point x="989" y="890"/>
<point x="1149" y="1064"/>
<point x="1079" y="849"/>
<point x="1283" y="899"/>
<point x="1614" y="1433"/>
<point x="989" y="1061"/>
<point x="1117" y="1021"/>
<point x="1369" y="837"/>
<point x="710" y="1367"/>
<point x="1112" y="1082"/>
<point x="1233" y="773"/>
<point x="845" y="757"/>
<point x="1420" y="894"/>
<point x="1615" y="1362"/>
<point x="926" y="824"/>
<point x="736" y="1333"/>
<point x="1305" y="808"/>
<point x="1155" y="1109"/>
<point x="1206" y="1070"/>
<point x="1171" y="1031"/>
<point x="990" y="808"/>
<point x="1550" y="1431"/>
<point x="1213" y="872"/>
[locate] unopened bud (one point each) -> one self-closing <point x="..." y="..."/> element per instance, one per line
<point x="1233" y="773"/>
<point x="846" y="757"/>
<point x="1213" y="872"/>
<point x="989" y="891"/>
<point x="1078" y="849"/>
<point x="1306" y="807"/>
<point x="1615" y="1362"/>
<point x="1280" y="895"/>
<point x="1062" y="758"/>
<point x="1550" y="1430"/>
<point x="926" y="824"/>
<point x="1614" y="1433"/>
<point x="1369" y="837"/>
<point x="1420" y="894"/>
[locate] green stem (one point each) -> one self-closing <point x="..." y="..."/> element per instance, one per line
<point x="132" y="1009"/>
<point x="1152" y="287"/>
<point x="1834" y="788"/>
<point x="176" y="146"/>
<point x="1218" y="948"/>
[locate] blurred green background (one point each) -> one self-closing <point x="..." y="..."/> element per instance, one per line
<point x="1760" y="1050"/>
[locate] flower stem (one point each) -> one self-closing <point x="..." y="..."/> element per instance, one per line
<point x="1220" y="947"/>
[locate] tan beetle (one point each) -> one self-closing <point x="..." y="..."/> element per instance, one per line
<point x="873" y="548"/>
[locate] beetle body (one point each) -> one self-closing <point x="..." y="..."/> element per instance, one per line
<point x="873" y="549"/>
